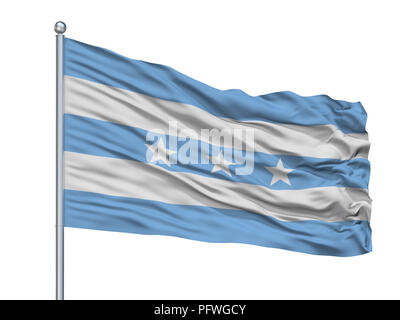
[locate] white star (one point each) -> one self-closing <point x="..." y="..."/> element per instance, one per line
<point x="279" y="173"/>
<point x="160" y="152"/>
<point x="220" y="164"/>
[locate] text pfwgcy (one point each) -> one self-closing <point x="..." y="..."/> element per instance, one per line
<point x="201" y="309"/>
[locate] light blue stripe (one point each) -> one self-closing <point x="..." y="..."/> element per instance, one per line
<point x="104" y="212"/>
<point x="106" y="67"/>
<point x="101" y="138"/>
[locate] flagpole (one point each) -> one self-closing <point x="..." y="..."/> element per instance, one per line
<point x="59" y="28"/>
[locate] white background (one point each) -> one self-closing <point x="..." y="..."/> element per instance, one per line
<point x="347" y="49"/>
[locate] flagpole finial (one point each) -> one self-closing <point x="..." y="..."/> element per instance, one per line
<point x="60" y="27"/>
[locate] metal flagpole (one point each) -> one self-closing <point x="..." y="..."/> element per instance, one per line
<point x="59" y="28"/>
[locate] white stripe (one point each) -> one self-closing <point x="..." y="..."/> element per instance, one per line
<point x="127" y="178"/>
<point x="102" y="102"/>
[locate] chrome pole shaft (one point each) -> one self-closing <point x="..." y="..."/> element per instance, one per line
<point x="59" y="28"/>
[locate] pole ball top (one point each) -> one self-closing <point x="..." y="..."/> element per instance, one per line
<point x="60" y="27"/>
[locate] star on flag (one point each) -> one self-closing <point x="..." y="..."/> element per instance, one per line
<point x="279" y="173"/>
<point x="160" y="152"/>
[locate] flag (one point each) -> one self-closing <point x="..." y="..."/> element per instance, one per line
<point x="148" y="150"/>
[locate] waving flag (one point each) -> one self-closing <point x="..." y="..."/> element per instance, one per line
<point x="149" y="150"/>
